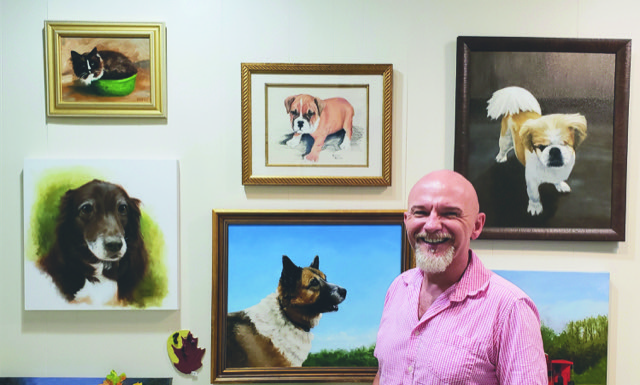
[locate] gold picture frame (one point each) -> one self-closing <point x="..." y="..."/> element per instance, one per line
<point x="142" y="94"/>
<point x="268" y="155"/>
<point x="244" y="272"/>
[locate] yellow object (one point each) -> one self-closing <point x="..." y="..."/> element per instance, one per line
<point x="175" y="340"/>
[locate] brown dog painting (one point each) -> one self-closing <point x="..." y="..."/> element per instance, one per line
<point x="319" y="118"/>
<point x="98" y="256"/>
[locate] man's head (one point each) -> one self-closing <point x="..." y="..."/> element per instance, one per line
<point x="443" y="216"/>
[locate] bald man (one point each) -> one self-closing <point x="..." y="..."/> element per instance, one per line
<point x="450" y="320"/>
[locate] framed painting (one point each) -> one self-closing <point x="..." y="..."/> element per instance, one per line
<point x="574" y="325"/>
<point x="100" y="234"/>
<point x="541" y="132"/>
<point x="276" y="273"/>
<point x="105" y="69"/>
<point x="316" y="124"/>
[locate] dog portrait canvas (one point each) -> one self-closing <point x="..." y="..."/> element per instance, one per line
<point x="535" y="135"/>
<point x="100" y="234"/>
<point x="300" y="293"/>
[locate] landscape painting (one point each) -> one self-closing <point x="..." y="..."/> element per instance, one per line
<point x="574" y="312"/>
<point x="100" y="234"/>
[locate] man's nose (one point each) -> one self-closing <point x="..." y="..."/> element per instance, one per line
<point x="432" y="222"/>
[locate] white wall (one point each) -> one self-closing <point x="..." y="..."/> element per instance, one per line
<point x="206" y="42"/>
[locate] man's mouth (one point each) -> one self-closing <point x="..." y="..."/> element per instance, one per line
<point x="433" y="240"/>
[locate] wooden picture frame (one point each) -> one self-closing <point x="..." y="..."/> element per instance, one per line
<point x="342" y="240"/>
<point x="351" y="146"/>
<point x="133" y="82"/>
<point x="589" y="77"/>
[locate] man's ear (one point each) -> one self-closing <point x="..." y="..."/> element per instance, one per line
<point x="478" y="225"/>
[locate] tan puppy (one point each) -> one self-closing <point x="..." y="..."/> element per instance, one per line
<point x="545" y="145"/>
<point x="318" y="118"/>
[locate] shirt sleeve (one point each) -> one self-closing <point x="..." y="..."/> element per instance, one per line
<point x="521" y="359"/>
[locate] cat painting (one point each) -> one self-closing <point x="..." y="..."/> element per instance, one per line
<point x="103" y="64"/>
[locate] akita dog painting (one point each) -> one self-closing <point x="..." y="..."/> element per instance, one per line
<point x="276" y="332"/>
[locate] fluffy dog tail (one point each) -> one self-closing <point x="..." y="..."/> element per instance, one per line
<point x="510" y="101"/>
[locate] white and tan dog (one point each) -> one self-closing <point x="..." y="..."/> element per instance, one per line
<point x="319" y="118"/>
<point x="545" y="145"/>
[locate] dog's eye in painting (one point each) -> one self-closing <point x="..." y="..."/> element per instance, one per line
<point x="98" y="256"/>
<point x="544" y="144"/>
<point x="277" y="331"/>
<point x="86" y="210"/>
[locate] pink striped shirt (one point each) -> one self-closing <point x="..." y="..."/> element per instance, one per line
<point x="482" y="330"/>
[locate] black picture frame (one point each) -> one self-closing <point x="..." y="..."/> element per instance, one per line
<point x="566" y="75"/>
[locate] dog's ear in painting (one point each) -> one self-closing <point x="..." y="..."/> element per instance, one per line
<point x="316" y="263"/>
<point x="290" y="275"/>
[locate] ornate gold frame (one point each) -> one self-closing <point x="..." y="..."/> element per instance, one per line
<point x="154" y="107"/>
<point x="385" y="71"/>
<point x="221" y="222"/>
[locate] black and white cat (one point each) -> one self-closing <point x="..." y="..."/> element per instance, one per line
<point x="105" y="64"/>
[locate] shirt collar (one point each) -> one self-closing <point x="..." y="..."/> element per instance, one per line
<point x="474" y="279"/>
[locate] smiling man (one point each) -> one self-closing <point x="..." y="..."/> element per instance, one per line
<point x="450" y="320"/>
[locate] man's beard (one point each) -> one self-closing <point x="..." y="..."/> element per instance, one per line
<point x="429" y="262"/>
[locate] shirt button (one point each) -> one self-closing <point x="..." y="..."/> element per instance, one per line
<point x="416" y="333"/>
<point x="410" y="369"/>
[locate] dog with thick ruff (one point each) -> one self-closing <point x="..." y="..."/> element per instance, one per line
<point x="98" y="256"/>
<point x="544" y="144"/>
<point x="277" y="331"/>
<point x="319" y="118"/>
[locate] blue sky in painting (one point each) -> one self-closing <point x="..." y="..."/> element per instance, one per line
<point x="563" y="296"/>
<point x="363" y="259"/>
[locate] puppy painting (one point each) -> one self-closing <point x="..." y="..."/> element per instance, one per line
<point x="98" y="255"/>
<point x="545" y="144"/>
<point x="276" y="332"/>
<point x="319" y="118"/>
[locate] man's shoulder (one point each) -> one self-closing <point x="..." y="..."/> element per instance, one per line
<point x="504" y="288"/>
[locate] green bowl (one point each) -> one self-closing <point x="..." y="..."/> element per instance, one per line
<point x="119" y="87"/>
